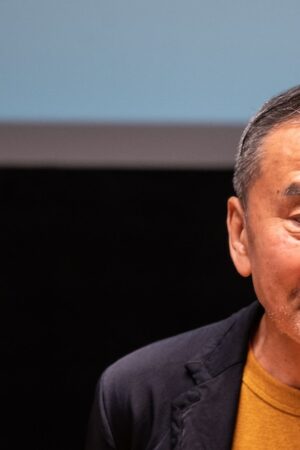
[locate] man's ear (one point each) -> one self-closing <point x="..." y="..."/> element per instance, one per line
<point x="238" y="237"/>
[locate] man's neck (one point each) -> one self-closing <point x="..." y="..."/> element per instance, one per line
<point x="277" y="353"/>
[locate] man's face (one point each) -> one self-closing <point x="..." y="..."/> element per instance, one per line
<point x="268" y="239"/>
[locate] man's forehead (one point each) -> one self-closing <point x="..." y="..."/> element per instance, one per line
<point x="282" y="137"/>
<point x="281" y="148"/>
<point x="279" y="167"/>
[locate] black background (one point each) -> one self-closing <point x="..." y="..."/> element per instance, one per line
<point x="95" y="263"/>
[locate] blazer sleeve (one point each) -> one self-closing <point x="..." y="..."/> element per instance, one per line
<point x="99" y="435"/>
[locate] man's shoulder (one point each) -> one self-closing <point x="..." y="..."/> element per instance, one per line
<point x="134" y="397"/>
<point x="165" y="355"/>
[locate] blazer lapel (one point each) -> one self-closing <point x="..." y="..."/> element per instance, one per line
<point x="204" y="417"/>
<point x="206" y="420"/>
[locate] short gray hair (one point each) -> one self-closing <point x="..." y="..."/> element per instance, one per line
<point x="279" y="109"/>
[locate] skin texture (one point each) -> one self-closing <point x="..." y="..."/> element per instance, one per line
<point x="264" y="242"/>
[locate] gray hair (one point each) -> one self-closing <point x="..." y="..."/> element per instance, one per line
<point x="279" y="109"/>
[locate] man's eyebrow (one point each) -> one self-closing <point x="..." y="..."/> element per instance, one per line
<point x="292" y="189"/>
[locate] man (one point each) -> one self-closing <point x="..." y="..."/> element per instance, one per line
<point x="233" y="384"/>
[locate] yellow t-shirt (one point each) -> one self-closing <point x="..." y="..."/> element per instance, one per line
<point x="268" y="415"/>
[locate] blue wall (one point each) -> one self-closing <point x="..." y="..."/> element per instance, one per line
<point x="137" y="61"/>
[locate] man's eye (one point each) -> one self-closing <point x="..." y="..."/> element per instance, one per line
<point x="295" y="220"/>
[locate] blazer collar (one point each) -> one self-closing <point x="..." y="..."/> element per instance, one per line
<point x="230" y="346"/>
<point x="204" y="417"/>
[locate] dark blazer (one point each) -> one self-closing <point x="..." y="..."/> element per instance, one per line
<point x="179" y="393"/>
